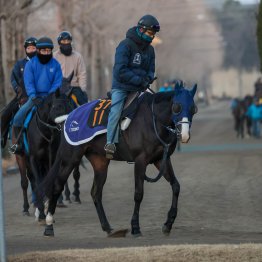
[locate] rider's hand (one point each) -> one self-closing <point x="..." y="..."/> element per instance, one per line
<point x="145" y="82"/>
<point x="37" y="100"/>
<point x="19" y="92"/>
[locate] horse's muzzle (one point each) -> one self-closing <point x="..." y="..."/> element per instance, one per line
<point x="184" y="130"/>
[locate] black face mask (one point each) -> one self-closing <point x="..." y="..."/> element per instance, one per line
<point x="44" y="59"/>
<point x="66" y="49"/>
<point x="30" y="55"/>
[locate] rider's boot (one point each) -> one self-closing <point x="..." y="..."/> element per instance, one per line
<point x="17" y="148"/>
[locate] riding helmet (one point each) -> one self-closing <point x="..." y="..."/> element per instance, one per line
<point x="149" y="22"/>
<point x="64" y="35"/>
<point x="30" y="41"/>
<point x="44" y="42"/>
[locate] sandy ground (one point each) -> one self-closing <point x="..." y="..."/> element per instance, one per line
<point x="220" y="199"/>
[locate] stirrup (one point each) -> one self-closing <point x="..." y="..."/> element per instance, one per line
<point x="110" y="150"/>
<point x="13" y="148"/>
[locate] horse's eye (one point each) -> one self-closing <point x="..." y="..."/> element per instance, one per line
<point x="176" y="108"/>
<point x="193" y="109"/>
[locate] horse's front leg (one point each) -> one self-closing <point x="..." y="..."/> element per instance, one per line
<point x="171" y="178"/>
<point x="36" y="170"/>
<point x="140" y="169"/>
<point x="63" y="172"/>
<point x="76" y="193"/>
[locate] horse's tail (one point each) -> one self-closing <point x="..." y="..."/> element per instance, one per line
<point x="48" y="183"/>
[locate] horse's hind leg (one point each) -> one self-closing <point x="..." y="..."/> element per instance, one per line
<point x="67" y="192"/>
<point x="172" y="213"/>
<point x="24" y="182"/>
<point x="100" y="165"/>
<point x="76" y="193"/>
<point x="140" y="169"/>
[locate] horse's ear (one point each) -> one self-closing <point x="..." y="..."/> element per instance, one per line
<point x="57" y="92"/>
<point x="70" y="77"/>
<point x="193" y="90"/>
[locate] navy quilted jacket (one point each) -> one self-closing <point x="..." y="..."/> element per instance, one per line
<point x="134" y="59"/>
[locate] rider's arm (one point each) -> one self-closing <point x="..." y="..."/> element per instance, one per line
<point x="57" y="79"/>
<point x="81" y="73"/>
<point x="15" y="77"/>
<point x="151" y="72"/>
<point x="29" y="80"/>
<point x="121" y="70"/>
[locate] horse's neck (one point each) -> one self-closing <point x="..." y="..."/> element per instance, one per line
<point x="43" y="113"/>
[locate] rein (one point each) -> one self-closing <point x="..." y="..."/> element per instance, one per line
<point x="49" y="140"/>
<point x="165" y="145"/>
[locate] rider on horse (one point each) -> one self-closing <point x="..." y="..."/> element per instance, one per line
<point x="72" y="61"/>
<point x="17" y="83"/>
<point x="42" y="76"/>
<point x="133" y="71"/>
<point x="18" y="70"/>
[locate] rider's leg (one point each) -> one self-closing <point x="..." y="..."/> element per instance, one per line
<point x="118" y="98"/>
<point x="18" y="125"/>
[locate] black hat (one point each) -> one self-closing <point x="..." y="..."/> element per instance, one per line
<point x="149" y="22"/>
<point x="30" y="41"/>
<point x="64" y="35"/>
<point x="44" y="42"/>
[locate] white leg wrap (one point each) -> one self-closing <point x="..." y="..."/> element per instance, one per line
<point x="37" y="214"/>
<point x="46" y="204"/>
<point x="49" y="219"/>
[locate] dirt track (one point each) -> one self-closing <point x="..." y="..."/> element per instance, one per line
<point x="220" y="199"/>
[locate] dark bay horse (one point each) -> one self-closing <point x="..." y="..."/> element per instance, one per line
<point x="150" y="139"/>
<point x="41" y="131"/>
<point x="7" y="115"/>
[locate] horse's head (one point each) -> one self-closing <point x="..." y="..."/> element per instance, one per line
<point x="60" y="106"/>
<point x="183" y="110"/>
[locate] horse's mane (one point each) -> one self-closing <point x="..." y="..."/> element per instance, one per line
<point x="162" y="96"/>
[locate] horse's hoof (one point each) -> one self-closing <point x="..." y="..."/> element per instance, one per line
<point x="41" y="222"/>
<point x="26" y="213"/>
<point x="49" y="231"/>
<point x="166" y="230"/>
<point x="67" y="202"/>
<point x="118" y="233"/>
<point x="136" y="232"/>
<point x="61" y="204"/>
<point x="137" y="235"/>
<point x="77" y="201"/>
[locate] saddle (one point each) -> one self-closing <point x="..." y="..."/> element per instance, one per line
<point x="90" y="120"/>
<point x="99" y="114"/>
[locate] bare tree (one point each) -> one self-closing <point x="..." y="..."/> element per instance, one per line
<point x="13" y="25"/>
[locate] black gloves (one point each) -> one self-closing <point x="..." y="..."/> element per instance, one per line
<point x="146" y="81"/>
<point x="37" y="100"/>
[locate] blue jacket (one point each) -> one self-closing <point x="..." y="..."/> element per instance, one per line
<point x="42" y="79"/>
<point x="254" y="112"/>
<point x="134" y="59"/>
<point x="17" y="74"/>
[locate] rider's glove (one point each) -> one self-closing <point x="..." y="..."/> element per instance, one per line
<point x="145" y="82"/>
<point x="37" y="100"/>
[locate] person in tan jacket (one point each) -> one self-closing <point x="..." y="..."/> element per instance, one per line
<point x="72" y="61"/>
